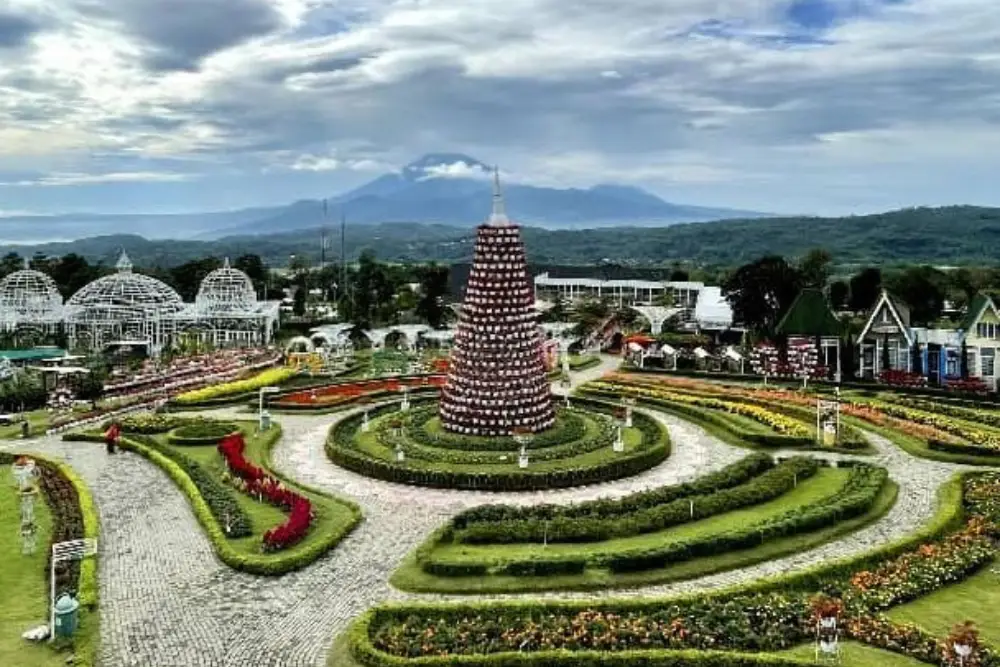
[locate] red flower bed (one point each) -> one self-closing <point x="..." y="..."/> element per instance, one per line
<point x="967" y="386"/>
<point x="336" y="393"/>
<point x="902" y="379"/>
<point x="261" y="484"/>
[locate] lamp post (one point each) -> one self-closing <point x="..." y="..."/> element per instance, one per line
<point x="260" y="406"/>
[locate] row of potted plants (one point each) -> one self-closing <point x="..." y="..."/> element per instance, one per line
<point x="258" y="483"/>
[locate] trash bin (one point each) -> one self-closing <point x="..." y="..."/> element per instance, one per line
<point x="66" y="615"/>
<point x="265" y="420"/>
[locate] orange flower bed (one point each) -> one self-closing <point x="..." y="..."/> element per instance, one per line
<point x="345" y="391"/>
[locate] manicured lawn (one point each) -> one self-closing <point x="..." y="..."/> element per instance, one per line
<point x="331" y="515"/>
<point x="370" y="445"/>
<point x="857" y="655"/>
<point x="411" y="577"/>
<point x="975" y="599"/>
<point x="24" y="593"/>
<point x="825" y="483"/>
<point x="37" y="419"/>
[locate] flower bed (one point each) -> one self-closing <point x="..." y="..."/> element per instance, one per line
<point x="661" y="632"/>
<point x="778" y="422"/>
<point x="907" y="379"/>
<point x="269" y="377"/>
<point x="342" y="392"/>
<point x="258" y="483"/>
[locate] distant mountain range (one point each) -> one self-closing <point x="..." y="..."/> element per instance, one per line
<point x="440" y="188"/>
<point x="941" y="236"/>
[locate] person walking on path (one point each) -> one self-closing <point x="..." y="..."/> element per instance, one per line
<point x="111" y="437"/>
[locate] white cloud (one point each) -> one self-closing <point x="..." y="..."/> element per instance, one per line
<point x="63" y="179"/>
<point x="455" y="170"/>
<point x="696" y="101"/>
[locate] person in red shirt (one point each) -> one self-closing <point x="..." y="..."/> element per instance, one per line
<point x="111" y="437"/>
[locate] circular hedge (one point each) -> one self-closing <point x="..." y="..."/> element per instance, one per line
<point x="577" y="451"/>
<point x="205" y="433"/>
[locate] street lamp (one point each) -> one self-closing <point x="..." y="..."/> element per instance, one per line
<point x="260" y="405"/>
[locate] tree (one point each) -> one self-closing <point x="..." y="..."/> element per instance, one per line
<point x="433" y="281"/>
<point x="299" y="301"/>
<point x="256" y="270"/>
<point x="187" y="277"/>
<point x="840" y="292"/>
<point x="865" y="289"/>
<point x="10" y="263"/>
<point x="922" y="288"/>
<point x="558" y="312"/>
<point x="815" y="268"/>
<point x="71" y="272"/>
<point x="760" y="292"/>
<point x="679" y="275"/>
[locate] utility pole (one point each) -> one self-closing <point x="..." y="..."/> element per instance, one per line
<point x="322" y="240"/>
<point x="342" y="287"/>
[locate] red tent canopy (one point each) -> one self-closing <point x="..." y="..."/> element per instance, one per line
<point x="639" y="339"/>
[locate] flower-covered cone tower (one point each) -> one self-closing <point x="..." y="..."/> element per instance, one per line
<point x="497" y="381"/>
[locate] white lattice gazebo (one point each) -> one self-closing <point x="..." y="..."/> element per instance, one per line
<point x="122" y="306"/>
<point x="30" y="299"/>
<point x="226" y="311"/>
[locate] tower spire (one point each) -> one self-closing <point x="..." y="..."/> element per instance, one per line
<point x="499" y="216"/>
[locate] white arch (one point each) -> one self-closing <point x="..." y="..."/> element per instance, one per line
<point x="656" y="316"/>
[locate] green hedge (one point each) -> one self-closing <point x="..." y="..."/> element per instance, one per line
<point x="340" y="449"/>
<point x="568" y="428"/>
<point x="584" y="363"/>
<point x="204" y="433"/>
<point x="855" y="498"/>
<point x="825" y="576"/>
<point x="962" y="448"/>
<point x="765" y="487"/>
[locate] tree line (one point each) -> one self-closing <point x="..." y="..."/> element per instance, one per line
<point x="760" y="292"/>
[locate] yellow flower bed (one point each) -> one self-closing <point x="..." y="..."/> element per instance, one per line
<point x="271" y="376"/>
<point x="947" y="424"/>
<point x="778" y="422"/>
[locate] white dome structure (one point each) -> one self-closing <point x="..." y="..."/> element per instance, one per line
<point x="123" y="306"/>
<point x="126" y="293"/>
<point x="30" y="297"/>
<point x="226" y="290"/>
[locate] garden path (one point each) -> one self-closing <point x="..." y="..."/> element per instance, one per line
<point x="167" y="601"/>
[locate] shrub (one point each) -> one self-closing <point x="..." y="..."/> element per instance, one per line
<point x="201" y="433"/>
<point x="581" y="528"/>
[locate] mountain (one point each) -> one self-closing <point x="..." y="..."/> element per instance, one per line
<point x="455" y="189"/>
<point x="948" y="236"/>
<point x="438" y="188"/>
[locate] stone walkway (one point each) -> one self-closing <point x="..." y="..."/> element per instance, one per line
<point x="167" y="601"/>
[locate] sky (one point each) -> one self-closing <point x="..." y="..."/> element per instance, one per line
<point x="822" y="107"/>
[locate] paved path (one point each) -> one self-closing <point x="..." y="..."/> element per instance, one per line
<point x="167" y="601"/>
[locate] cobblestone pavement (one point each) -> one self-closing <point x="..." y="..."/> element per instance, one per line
<point x="167" y="601"/>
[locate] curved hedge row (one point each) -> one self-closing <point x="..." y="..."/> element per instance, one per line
<point x="568" y="428"/>
<point x="261" y="564"/>
<point x="856" y="497"/>
<point x="205" y="433"/>
<point x="583" y="444"/>
<point x="341" y="449"/>
<point x="828" y="577"/>
<point x="763" y="488"/>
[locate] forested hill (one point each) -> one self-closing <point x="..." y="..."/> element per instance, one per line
<point x="950" y="235"/>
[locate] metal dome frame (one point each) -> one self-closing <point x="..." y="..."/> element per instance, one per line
<point x="226" y="291"/>
<point x="29" y="297"/>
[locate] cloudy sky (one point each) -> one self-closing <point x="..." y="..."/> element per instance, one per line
<point x="814" y="106"/>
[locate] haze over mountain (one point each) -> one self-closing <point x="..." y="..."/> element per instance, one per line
<point x="439" y="188"/>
